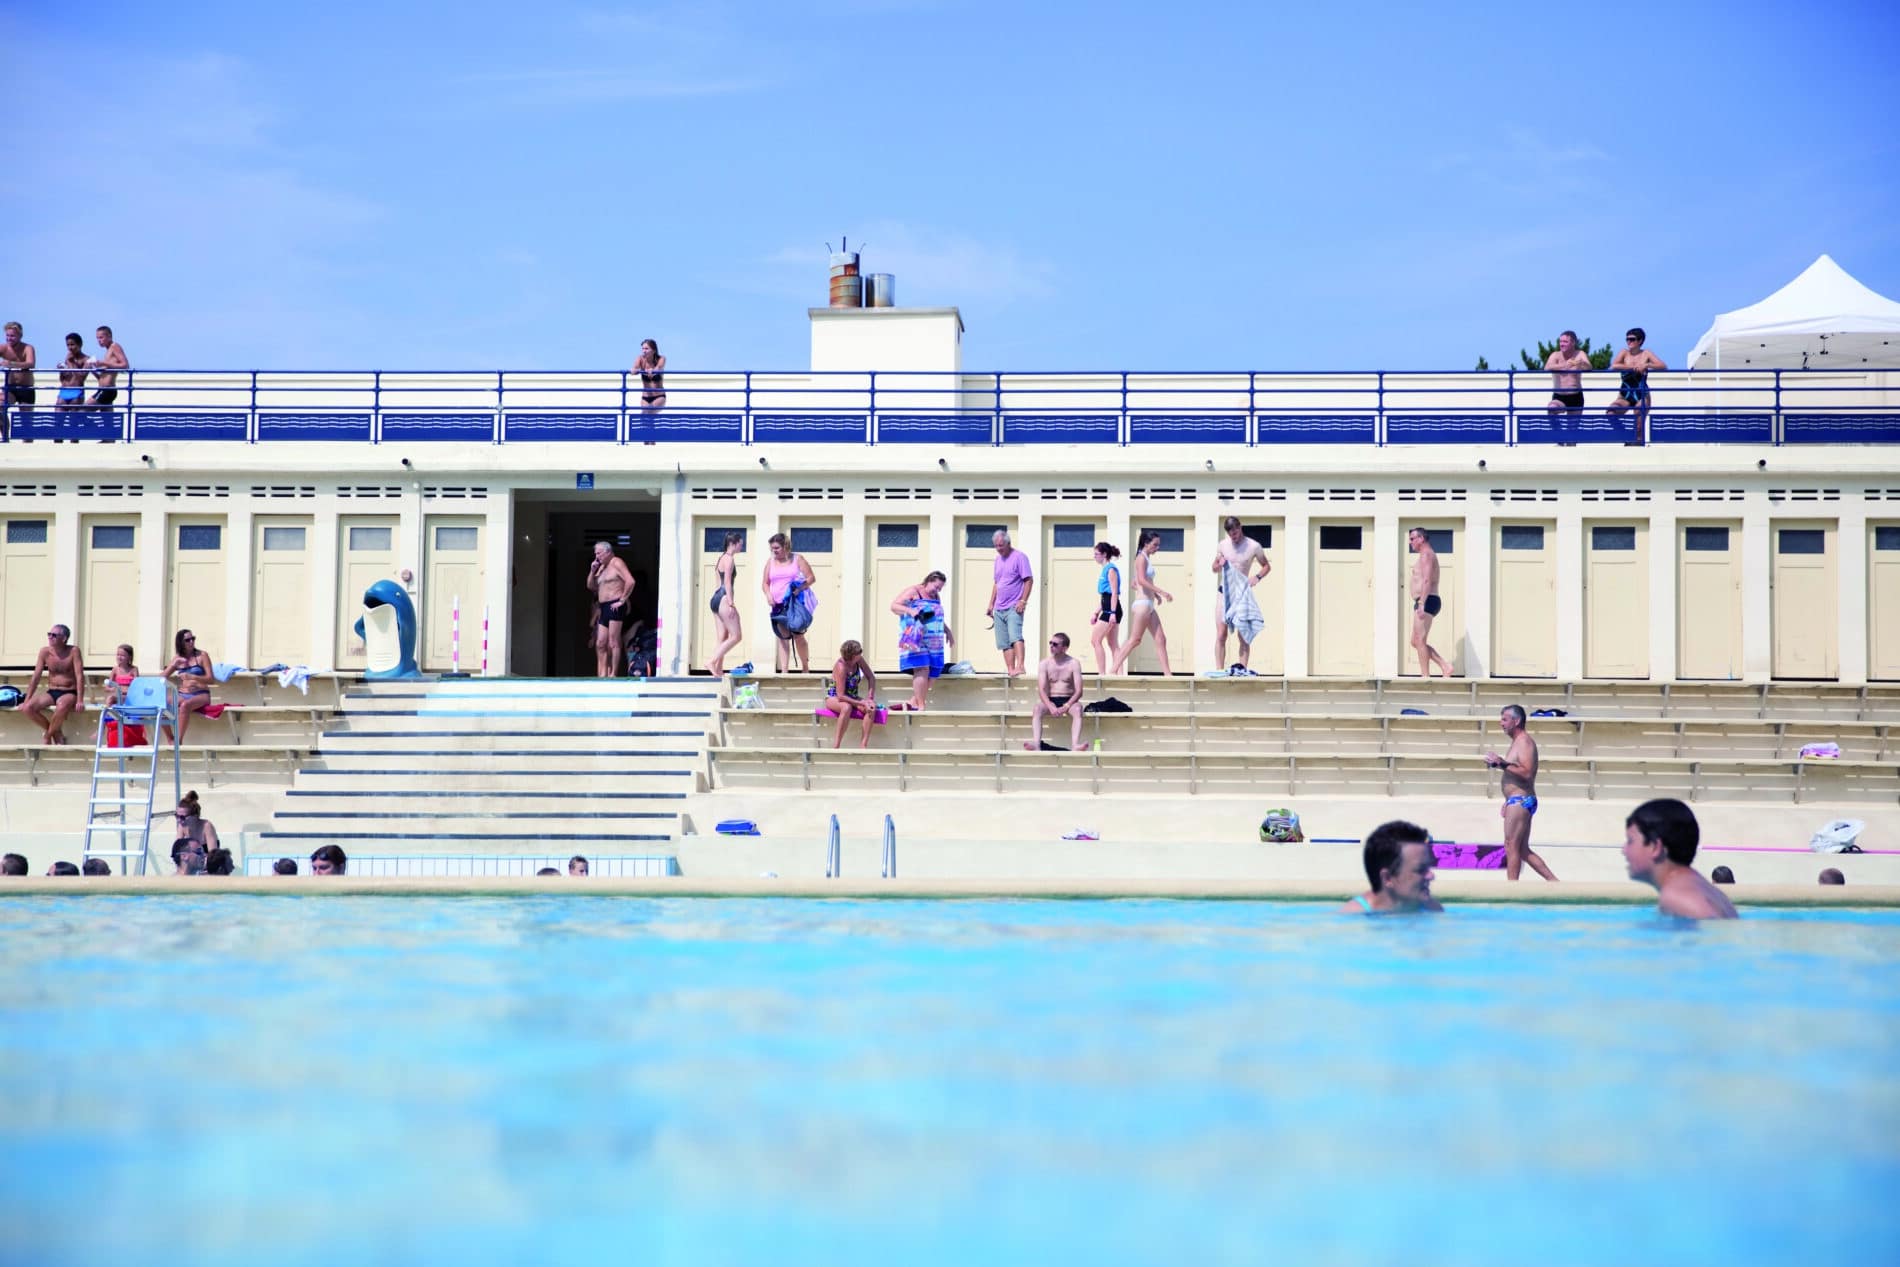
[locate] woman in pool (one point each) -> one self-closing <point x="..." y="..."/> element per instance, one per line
<point x="192" y="670"/>
<point x="329" y="860"/>
<point x="648" y="365"/>
<point x="776" y="578"/>
<point x="922" y="636"/>
<point x="1143" y="615"/>
<point x="724" y="609"/>
<point x="1107" y="619"/>
<point x="852" y="692"/>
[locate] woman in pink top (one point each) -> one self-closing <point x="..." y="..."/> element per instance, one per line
<point x="775" y="578"/>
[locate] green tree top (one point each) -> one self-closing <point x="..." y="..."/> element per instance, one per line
<point x="1600" y="357"/>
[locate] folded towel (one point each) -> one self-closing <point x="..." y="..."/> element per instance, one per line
<point x="225" y="672"/>
<point x="1081" y="833"/>
<point x="1820" y="751"/>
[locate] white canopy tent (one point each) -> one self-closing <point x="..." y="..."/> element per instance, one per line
<point x="1823" y="319"/>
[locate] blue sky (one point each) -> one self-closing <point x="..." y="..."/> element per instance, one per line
<point x="1101" y="186"/>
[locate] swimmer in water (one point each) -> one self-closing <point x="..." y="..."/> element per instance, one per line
<point x="1659" y="843"/>
<point x="1399" y="866"/>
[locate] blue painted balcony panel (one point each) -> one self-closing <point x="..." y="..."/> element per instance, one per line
<point x="667" y="426"/>
<point x="1841" y="428"/>
<point x="943" y="428"/>
<point x="279" y="424"/>
<point x="810" y="428"/>
<point x="1062" y="428"/>
<point x="67" y="424"/>
<point x="1214" y="428"/>
<point x="1589" y="426"/>
<point x="1318" y="428"/>
<point x="1442" y="428"/>
<point x="562" y="427"/>
<point x="192" y="424"/>
<point x="1712" y="428"/>
<point x="431" y="426"/>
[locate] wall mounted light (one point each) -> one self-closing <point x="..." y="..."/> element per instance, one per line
<point x="407" y="465"/>
<point x="1480" y="464"/>
<point x="1761" y="464"/>
<point x="763" y="465"/>
<point x="942" y="464"/>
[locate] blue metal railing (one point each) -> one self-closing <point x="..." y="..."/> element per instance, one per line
<point x="893" y="407"/>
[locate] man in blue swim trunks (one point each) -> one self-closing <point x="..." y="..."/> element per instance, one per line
<point x="1518" y="771"/>
<point x="1399" y="867"/>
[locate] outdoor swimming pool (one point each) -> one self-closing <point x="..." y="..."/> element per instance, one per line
<point x="265" y="1080"/>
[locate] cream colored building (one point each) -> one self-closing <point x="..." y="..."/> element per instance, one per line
<point x="1684" y="560"/>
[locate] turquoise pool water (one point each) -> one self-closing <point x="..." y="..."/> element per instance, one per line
<point x="580" y="1080"/>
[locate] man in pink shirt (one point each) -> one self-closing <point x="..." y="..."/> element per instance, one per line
<point x="1009" y="599"/>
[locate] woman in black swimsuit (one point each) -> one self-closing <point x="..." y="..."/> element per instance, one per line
<point x="724" y="609"/>
<point x="648" y="366"/>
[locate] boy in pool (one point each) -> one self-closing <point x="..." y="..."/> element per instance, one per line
<point x="1399" y="866"/>
<point x="1659" y="843"/>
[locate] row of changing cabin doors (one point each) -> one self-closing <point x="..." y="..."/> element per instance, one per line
<point x="285" y="625"/>
<point x="1616" y="597"/>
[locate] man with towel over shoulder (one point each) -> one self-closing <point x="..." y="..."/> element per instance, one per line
<point x="1239" y="613"/>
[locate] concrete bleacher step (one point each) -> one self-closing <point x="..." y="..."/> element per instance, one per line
<point x="626" y="744"/>
<point x="523" y="764"/>
<point x="540" y="731"/>
<point x="488" y="801"/>
<point x="295" y="842"/>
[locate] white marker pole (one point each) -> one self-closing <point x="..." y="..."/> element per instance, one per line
<point x="484" y="639"/>
<point x="455" y="634"/>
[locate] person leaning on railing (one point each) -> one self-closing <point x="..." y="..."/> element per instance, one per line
<point x="16" y="385"/>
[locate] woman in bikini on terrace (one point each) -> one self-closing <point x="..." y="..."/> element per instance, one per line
<point x="191" y="669"/>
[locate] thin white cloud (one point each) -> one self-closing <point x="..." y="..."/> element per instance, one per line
<point x="568" y="85"/>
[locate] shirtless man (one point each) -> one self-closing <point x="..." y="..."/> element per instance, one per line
<point x="19" y="358"/>
<point x="1399" y="866"/>
<point x="1519" y="767"/>
<point x="1566" y="366"/>
<point x="59" y="663"/>
<point x="612" y="585"/>
<point x="1659" y="844"/>
<point x="1058" y="691"/>
<point x="1425" y="602"/>
<point x="102" y="366"/>
<point x="1239" y="613"/>
<point x="1635" y="361"/>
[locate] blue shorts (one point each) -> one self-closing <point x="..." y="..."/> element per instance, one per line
<point x="921" y="660"/>
<point x="1528" y="802"/>
<point x="1009" y="627"/>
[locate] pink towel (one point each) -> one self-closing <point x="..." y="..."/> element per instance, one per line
<point x="878" y="717"/>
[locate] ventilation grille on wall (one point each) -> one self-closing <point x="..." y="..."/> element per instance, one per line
<point x="1340" y="494"/>
<point x="197" y="490"/>
<point x="721" y="493"/>
<point x="283" y="490"/>
<point x="978" y="494"/>
<point x="809" y="494"/>
<point x="369" y="490"/>
<point x="1708" y="494"/>
<point x="896" y="494"/>
<point x="1431" y="494"/>
<point x="1616" y="494"/>
<point x="453" y="492"/>
<point x="1804" y="494"/>
<point x="1075" y="494"/>
<point x="1523" y="494"/>
<point x="28" y="490"/>
<point x="1251" y="494"/>
<point x="1882" y="494"/>
<point x="1161" y="494"/>
<point x="110" y="490"/>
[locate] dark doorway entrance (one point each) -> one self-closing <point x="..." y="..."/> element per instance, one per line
<point x="554" y="609"/>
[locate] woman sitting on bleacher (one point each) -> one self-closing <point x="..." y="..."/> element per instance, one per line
<point x="192" y="669"/>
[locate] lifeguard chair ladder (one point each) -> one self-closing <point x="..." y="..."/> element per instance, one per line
<point x="120" y="825"/>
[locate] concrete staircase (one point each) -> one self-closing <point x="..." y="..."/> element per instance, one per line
<point x="500" y="766"/>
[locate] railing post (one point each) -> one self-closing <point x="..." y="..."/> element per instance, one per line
<point x="252" y="427"/>
<point x="996" y="414"/>
<point x="870" y="421"/>
<point x="501" y="389"/>
<point x="1121" y="432"/>
<point x="625" y="429"/>
<point x="745" y="422"/>
<point x="1253" y="420"/>
<point x="1379" y="428"/>
<point x="1777" y="431"/>
<point x="1510" y="407"/>
<point x="376" y="407"/>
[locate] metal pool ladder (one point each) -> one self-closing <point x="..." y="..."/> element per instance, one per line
<point x="148" y="701"/>
<point x="834" y="866"/>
